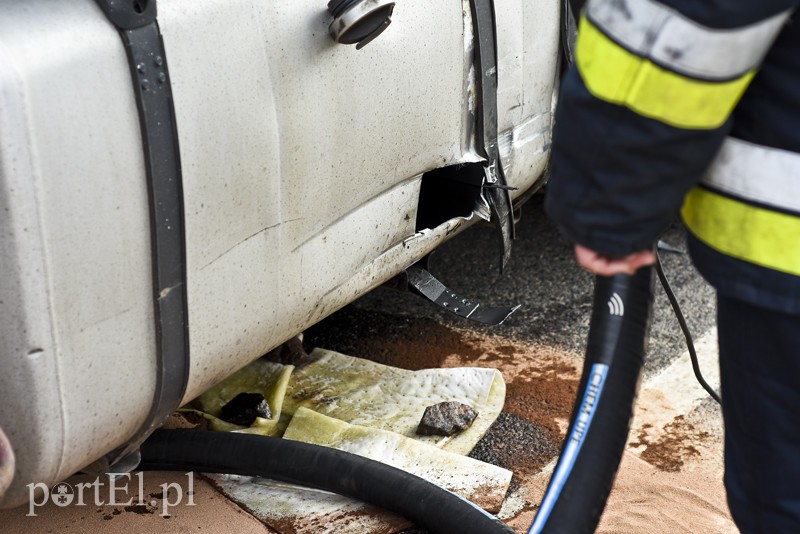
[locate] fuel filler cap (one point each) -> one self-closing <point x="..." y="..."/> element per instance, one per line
<point x="359" y="21"/>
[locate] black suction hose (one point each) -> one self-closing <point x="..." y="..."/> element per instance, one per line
<point x="600" y="421"/>
<point x="426" y="504"/>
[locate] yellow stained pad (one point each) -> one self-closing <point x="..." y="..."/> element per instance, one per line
<point x="262" y="376"/>
<point x="369" y="409"/>
<point x="373" y="395"/>
<point x="483" y="484"/>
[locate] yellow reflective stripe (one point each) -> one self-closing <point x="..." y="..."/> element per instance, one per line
<point x="757" y="235"/>
<point x="615" y="75"/>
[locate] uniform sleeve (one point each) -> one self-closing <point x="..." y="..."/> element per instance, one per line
<point x="645" y="109"/>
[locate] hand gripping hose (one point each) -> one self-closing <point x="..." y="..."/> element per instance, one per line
<point x="426" y="504"/>
<point x="600" y="421"/>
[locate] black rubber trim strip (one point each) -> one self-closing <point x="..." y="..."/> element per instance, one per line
<point x="426" y="504"/>
<point x="483" y="20"/>
<point x="570" y="14"/>
<point x="152" y="89"/>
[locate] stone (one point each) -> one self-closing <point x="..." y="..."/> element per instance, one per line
<point x="244" y="408"/>
<point x="446" y="419"/>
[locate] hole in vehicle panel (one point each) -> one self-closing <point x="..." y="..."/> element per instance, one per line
<point x="449" y="192"/>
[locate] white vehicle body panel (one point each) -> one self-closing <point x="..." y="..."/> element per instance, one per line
<point x="301" y="161"/>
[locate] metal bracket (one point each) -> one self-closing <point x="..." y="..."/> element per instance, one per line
<point x="429" y="287"/>
<point x="486" y="122"/>
<point x="138" y="28"/>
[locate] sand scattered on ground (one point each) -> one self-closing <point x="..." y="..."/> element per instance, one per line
<point x="648" y="499"/>
<point x="670" y="480"/>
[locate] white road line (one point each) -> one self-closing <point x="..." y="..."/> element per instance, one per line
<point x="675" y="390"/>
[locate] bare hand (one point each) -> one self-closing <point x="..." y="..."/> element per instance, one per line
<point x="605" y="266"/>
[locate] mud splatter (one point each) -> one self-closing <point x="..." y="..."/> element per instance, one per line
<point x="407" y="342"/>
<point x="139" y="509"/>
<point x="673" y="448"/>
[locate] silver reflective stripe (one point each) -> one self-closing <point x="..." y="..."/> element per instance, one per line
<point x="753" y="172"/>
<point x="660" y="33"/>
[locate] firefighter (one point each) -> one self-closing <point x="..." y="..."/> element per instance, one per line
<point x="693" y="106"/>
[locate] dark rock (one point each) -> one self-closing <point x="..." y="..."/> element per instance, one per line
<point x="446" y="418"/>
<point x="244" y="408"/>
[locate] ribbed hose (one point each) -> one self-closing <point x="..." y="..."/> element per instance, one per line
<point x="601" y="418"/>
<point x="426" y="504"/>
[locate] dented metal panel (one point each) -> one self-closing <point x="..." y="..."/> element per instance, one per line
<point x="528" y="62"/>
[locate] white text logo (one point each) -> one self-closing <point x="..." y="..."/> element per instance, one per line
<point x="117" y="489"/>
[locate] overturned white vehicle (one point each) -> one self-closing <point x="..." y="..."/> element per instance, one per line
<point x="185" y="189"/>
